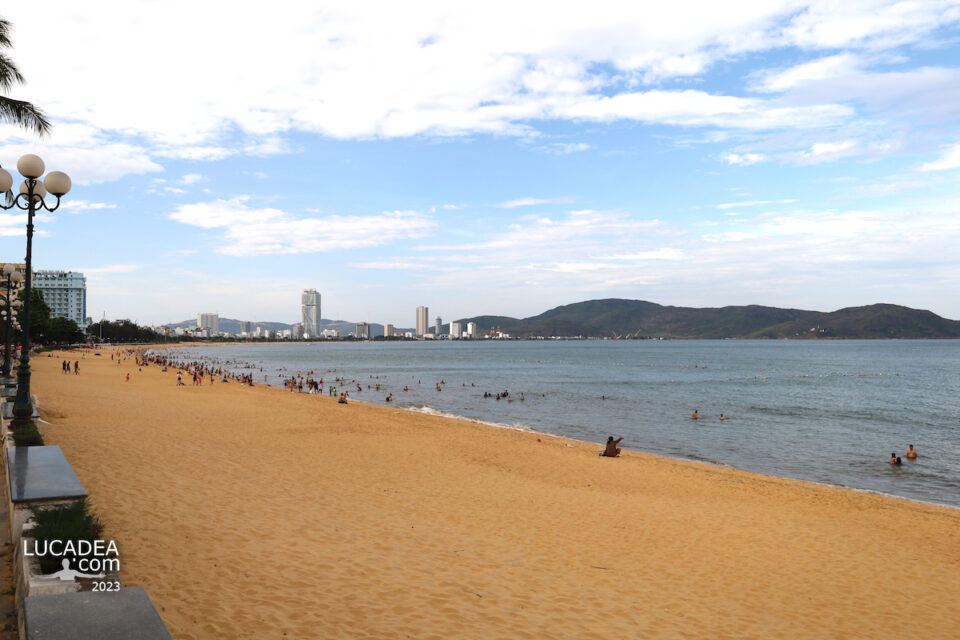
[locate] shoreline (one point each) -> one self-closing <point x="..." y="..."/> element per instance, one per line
<point x="243" y="515"/>
<point x="426" y="409"/>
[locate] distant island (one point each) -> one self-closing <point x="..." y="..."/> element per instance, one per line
<point x="637" y="319"/>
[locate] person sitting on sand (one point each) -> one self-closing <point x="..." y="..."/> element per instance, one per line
<point x="611" y="450"/>
<point x="911" y="453"/>
<point x="343" y="398"/>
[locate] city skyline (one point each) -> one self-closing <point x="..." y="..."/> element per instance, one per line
<point x="790" y="154"/>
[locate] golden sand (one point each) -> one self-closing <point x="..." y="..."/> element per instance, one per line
<point x="257" y="513"/>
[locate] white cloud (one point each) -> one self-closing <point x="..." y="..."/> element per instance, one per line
<point x="250" y="232"/>
<point x="828" y="151"/>
<point x="192" y="178"/>
<point x="530" y="202"/>
<point x="564" y="148"/>
<point x="744" y="159"/>
<point x="77" y="206"/>
<point x="224" y="213"/>
<point x="751" y="203"/>
<point x="949" y="160"/>
<point x="827" y="68"/>
<point x="372" y="70"/>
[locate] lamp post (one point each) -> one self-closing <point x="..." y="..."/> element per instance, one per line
<point x="10" y="279"/>
<point x="32" y="197"/>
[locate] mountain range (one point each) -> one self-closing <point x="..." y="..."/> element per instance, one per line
<point x="618" y="318"/>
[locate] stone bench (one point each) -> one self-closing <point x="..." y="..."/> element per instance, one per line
<point x="38" y="476"/>
<point x="87" y="615"/>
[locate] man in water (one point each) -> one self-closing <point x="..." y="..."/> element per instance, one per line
<point x="611" y="450"/>
<point x="696" y="414"/>
<point x="911" y="453"/>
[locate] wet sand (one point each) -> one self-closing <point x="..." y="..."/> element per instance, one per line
<point x="257" y="513"/>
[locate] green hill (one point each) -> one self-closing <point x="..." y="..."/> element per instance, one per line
<point x="618" y="318"/>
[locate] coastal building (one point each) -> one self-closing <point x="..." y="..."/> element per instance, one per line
<point x="423" y="315"/>
<point x="388" y="331"/>
<point x="310" y="312"/>
<point x="65" y="292"/>
<point x="297" y="330"/>
<point x="437" y="331"/>
<point x="362" y="331"/>
<point x="331" y="333"/>
<point x="455" y="330"/>
<point x="471" y="330"/>
<point x="245" y="328"/>
<point x="209" y="321"/>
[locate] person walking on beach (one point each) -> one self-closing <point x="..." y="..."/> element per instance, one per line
<point x="611" y="450"/>
<point x="76" y="367"/>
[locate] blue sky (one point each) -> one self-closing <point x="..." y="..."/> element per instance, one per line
<point x="496" y="158"/>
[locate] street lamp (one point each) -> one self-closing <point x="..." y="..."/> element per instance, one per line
<point x="32" y="197"/>
<point x="11" y="278"/>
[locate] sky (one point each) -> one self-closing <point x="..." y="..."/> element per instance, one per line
<point x="493" y="158"/>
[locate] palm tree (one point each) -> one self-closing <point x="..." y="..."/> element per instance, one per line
<point x="13" y="111"/>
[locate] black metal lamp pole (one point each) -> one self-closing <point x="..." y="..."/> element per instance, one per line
<point x="7" y="328"/>
<point x="30" y="199"/>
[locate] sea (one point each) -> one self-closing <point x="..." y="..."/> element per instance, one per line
<point x="829" y="412"/>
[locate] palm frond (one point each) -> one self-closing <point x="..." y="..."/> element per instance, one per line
<point x="9" y="74"/>
<point x="23" y="114"/>
<point x="5" y="28"/>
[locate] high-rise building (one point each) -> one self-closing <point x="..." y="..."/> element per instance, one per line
<point x="245" y="328"/>
<point x="454" y="329"/>
<point x="472" y="329"/>
<point x="310" y="301"/>
<point x="362" y="331"/>
<point x="209" y="321"/>
<point x="297" y="330"/>
<point x="437" y="331"/>
<point x="65" y="292"/>
<point x="388" y="331"/>
<point x="423" y="315"/>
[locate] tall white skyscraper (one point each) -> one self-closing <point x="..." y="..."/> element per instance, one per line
<point x="310" y="301"/>
<point x="65" y="292"/>
<point x="438" y="327"/>
<point x="388" y="331"/>
<point x="472" y="329"/>
<point x="209" y="321"/>
<point x="362" y="331"/>
<point x="455" y="329"/>
<point x="423" y="315"/>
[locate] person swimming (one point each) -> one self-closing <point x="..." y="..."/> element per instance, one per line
<point x="696" y="415"/>
<point x="911" y="453"/>
<point x="722" y="418"/>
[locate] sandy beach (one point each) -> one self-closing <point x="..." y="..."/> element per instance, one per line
<point x="257" y="513"/>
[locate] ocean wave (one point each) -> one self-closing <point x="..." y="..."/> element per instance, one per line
<point x="430" y="411"/>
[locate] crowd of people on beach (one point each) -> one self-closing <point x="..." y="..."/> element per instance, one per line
<point x="313" y="382"/>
